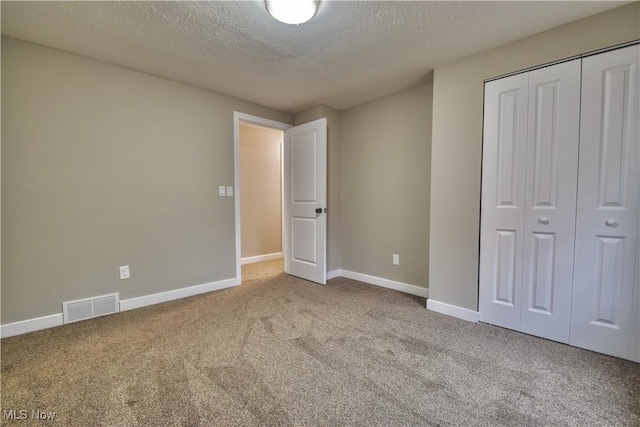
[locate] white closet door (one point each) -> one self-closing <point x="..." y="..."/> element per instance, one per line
<point x="607" y="219"/>
<point x="551" y="187"/>
<point x="503" y="200"/>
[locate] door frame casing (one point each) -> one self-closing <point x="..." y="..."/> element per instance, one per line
<point x="239" y="118"/>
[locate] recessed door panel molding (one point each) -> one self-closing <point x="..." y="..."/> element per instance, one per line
<point x="503" y="178"/>
<point x="305" y="198"/>
<point x="304" y="229"/>
<point x="603" y="317"/>
<point x="304" y="185"/>
<point x="546" y="144"/>
<point x="542" y="282"/>
<point x="551" y="187"/>
<point x="608" y="272"/>
<point x="508" y="147"/>
<point x="615" y="126"/>
<point x="505" y="270"/>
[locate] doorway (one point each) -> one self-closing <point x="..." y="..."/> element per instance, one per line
<point x="304" y="188"/>
<point x="258" y="184"/>
<point x="261" y="197"/>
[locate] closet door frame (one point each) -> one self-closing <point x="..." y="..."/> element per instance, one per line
<point x="488" y="268"/>
<point x="530" y="158"/>
<point x="605" y="285"/>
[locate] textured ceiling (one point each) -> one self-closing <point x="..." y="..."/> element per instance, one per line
<point x="349" y="53"/>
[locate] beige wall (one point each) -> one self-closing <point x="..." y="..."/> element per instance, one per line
<point x="260" y="191"/>
<point x="333" y="177"/>
<point x="457" y="140"/>
<point x="385" y="152"/>
<point x="104" y="166"/>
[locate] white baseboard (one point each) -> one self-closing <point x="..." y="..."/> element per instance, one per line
<point x="385" y="283"/>
<point x="30" y="325"/>
<point x="143" y="301"/>
<point x="453" y="310"/>
<point x="260" y="258"/>
<point x="45" y="322"/>
<point x="333" y="274"/>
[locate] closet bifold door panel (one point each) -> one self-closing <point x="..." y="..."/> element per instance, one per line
<point x="503" y="182"/>
<point x="551" y="190"/>
<point x="529" y="185"/>
<point x="603" y="317"/>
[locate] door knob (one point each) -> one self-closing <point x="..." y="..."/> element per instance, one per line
<point x="611" y="223"/>
<point x="543" y="220"/>
<point x="319" y="210"/>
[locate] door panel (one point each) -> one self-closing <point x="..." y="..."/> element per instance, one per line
<point x="544" y="124"/>
<point x="509" y="147"/>
<point x="541" y="287"/>
<point x="505" y="286"/>
<point x="608" y="276"/>
<point x="304" y="230"/>
<point x="551" y="187"/>
<point x="608" y="205"/>
<point x="305" y="190"/>
<point x="614" y="145"/>
<point x="304" y="160"/>
<point x="503" y="201"/>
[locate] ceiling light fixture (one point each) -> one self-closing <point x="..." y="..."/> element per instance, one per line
<point x="294" y="12"/>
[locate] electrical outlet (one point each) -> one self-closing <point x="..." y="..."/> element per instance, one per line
<point x="221" y="191"/>
<point x="229" y="191"/>
<point x="124" y="272"/>
<point x="396" y="259"/>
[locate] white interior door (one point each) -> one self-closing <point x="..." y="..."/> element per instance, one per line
<point x="503" y="200"/>
<point x="607" y="217"/>
<point x="551" y="187"/>
<point x="305" y="201"/>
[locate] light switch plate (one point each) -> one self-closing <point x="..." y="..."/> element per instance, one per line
<point x="229" y="191"/>
<point x="221" y="191"/>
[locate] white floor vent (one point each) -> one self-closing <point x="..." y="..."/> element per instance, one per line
<point x="82" y="309"/>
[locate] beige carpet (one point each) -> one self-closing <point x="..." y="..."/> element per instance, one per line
<point x="280" y="351"/>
